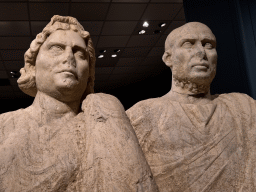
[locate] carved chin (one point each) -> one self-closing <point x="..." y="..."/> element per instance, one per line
<point x="68" y="83"/>
<point x="195" y="83"/>
<point x="66" y="86"/>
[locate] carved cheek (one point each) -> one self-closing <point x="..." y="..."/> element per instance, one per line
<point x="46" y="68"/>
<point x="54" y="64"/>
<point x="212" y="56"/>
<point x="184" y="56"/>
<point x="41" y="64"/>
<point x="44" y="60"/>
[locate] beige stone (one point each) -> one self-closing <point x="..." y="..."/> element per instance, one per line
<point x="192" y="140"/>
<point x="57" y="144"/>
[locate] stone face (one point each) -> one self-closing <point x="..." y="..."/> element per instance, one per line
<point x="194" y="141"/>
<point x="56" y="145"/>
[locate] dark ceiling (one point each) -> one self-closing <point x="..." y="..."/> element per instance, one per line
<point x="114" y="26"/>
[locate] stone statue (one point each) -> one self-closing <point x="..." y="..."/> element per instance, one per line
<point x="57" y="144"/>
<point x="194" y="141"/>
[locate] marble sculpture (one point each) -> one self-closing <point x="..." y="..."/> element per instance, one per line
<point x="194" y="141"/>
<point x="59" y="144"/>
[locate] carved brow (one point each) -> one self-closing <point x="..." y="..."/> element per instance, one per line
<point x="206" y="40"/>
<point x="187" y="39"/>
<point x="79" y="48"/>
<point x="56" y="43"/>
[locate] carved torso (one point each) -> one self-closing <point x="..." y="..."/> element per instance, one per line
<point x="95" y="151"/>
<point x="193" y="148"/>
<point x="39" y="158"/>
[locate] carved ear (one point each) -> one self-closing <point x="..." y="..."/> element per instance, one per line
<point x="167" y="59"/>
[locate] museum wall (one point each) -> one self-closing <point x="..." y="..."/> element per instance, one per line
<point x="230" y="21"/>
<point x="247" y="29"/>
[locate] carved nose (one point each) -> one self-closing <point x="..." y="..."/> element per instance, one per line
<point x="201" y="52"/>
<point x="69" y="58"/>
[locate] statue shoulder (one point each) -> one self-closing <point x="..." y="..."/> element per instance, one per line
<point x="144" y="107"/>
<point x="101" y="104"/>
<point x="103" y="100"/>
<point x="6" y="117"/>
<point x="239" y="103"/>
<point x="7" y="122"/>
<point x="235" y="97"/>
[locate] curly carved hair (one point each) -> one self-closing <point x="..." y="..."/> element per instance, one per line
<point x="27" y="82"/>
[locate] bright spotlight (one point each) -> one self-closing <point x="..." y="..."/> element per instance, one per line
<point x="145" y="24"/>
<point x="142" y="32"/>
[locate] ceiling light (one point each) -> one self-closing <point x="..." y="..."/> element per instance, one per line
<point x="15" y="74"/>
<point x="157" y="31"/>
<point x="103" y="51"/>
<point x="114" y="55"/>
<point x="162" y="24"/>
<point x="117" y="50"/>
<point x="100" y="56"/>
<point x="142" y="32"/>
<point x="145" y="24"/>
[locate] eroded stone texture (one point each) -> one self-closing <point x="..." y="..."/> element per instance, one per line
<point x="192" y="140"/>
<point x="57" y="145"/>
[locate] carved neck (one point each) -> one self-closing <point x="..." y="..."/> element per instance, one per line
<point x="189" y="88"/>
<point x="200" y="99"/>
<point x="189" y="93"/>
<point x="46" y="108"/>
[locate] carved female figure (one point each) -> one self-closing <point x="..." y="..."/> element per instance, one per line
<point x="57" y="145"/>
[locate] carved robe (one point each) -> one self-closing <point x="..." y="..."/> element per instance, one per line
<point x="95" y="151"/>
<point x="199" y="148"/>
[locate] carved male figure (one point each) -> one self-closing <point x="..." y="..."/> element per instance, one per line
<point x="192" y="140"/>
<point x="54" y="144"/>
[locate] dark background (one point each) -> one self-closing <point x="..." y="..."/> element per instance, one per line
<point x="232" y="23"/>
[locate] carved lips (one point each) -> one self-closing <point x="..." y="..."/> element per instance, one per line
<point x="69" y="72"/>
<point x="201" y="65"/>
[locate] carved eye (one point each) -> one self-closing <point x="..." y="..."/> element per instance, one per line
<point x="208" y="45"/>
<point x="56" y="48"/>
<point x="80" y="54"/>
<point x="187" y="44"/>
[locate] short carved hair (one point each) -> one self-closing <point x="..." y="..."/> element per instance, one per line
<point x="177" y="33"/>
<point x="27" y="81"/>
<point x="173" y="36"/>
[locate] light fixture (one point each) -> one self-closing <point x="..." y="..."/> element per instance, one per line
<point x="162" y="24"/>
<point x="15" y="74"/>
<point x="145" y="24"/>
<point x="114" y="55"/>
<point x="117" y="50"/>
<point x="103" y="51"/>
<point x="142" y="32"/>
<point x="100" y="56"/>
<point x="157" y="31"/>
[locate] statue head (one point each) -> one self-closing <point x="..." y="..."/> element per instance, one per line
<point x="190" y="52"/>
<point x="61" y="60"/>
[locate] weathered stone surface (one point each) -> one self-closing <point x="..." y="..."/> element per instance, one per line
<point x="57" y="145"/>
<point x="192" y="140"/>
